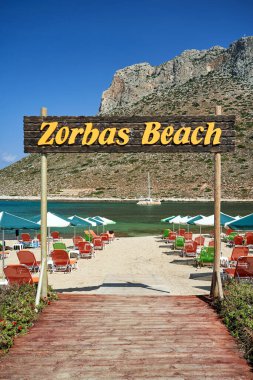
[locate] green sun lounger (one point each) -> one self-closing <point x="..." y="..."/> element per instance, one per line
<point x="166" y="233"/>
<point x="179" y="242"/>
<point x="206" y="256"/>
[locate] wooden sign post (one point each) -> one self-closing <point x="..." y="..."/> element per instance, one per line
<point x="43" y="214"/>
<point x="216" y="287"/>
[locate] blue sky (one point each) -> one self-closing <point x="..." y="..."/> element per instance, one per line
<point x="62" y="54"/>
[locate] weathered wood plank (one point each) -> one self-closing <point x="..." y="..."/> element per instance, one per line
<point x="117" y="337"/>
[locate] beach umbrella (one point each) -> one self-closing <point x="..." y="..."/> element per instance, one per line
<point x="53" y="221"/>
<point x="12" y="222"/>
<point x="167" y="220"/>
<point x="209" y="220"/>
<point x="194" y="219"/>
<point x="243" y="224"/>
<point x="77" y="221"/>
<point x="104" y="220"/>
<point x="179" y="220"/>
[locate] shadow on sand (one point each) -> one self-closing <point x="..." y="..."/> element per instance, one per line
<point x="111" y="285"/>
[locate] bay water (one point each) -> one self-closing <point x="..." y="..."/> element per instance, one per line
<point x="131" y="219"/>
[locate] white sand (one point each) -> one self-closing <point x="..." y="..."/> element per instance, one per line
<point x="135" y="265"/>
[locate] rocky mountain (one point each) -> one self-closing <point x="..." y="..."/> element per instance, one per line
<point x="191" y="83"/>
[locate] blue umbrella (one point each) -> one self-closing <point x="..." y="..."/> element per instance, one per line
<point x="77" y="221"/>
<point x="12" y="222"/>
<point x="243" y="224"/>
<point x="194" y="219"/>
<point x="166" y="220"/>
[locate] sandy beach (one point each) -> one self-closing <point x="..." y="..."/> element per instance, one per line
<point x="132" y="265"/>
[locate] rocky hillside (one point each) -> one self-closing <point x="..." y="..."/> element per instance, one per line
<point x="192" y="83"/>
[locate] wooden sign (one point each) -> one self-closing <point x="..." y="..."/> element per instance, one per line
<point x="151" y="134"/>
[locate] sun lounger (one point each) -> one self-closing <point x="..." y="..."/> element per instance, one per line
<point x="181" y="232"/>
<point x="26" y="240"/>
<point x="236" y="253"/>
<point x="179" y="242"/>
<point x="190" y="249"/>
<point x="166" y="233"/>
<point x="19" y="274"/>
<point x="242" y="271"/>
<point x="62" y="262"/>
<point x="56" y="235"/>
<point x="86" y="250"/>
<point x="211" y="243"/>
<point x="76" y="240"/>
<point x="206" y="256"/>
<point x="172" y="237"/>
<point x="200" y="240"/>
<point x="105" y="238"/>
<point x="238" y="240"/>
<point x="188" y="236"/>
<point x="98" y="243"/>
<point x="28" y="259"/>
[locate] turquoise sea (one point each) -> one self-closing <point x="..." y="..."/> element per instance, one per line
<point x="132" y="220"/>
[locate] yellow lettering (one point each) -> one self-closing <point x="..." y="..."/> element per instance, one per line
<point x="107" y="136"/>
<point x="62" y="135"/>
<point x="44" y="140"/>
<point x="194" y="137"/>
<point x="90" y="134"/>
<point x="123" y="135"/>
<point x="74" y="133"/>
<point x="210" y="131"/>
<point x="185" y="138"/>
<point x="166" y="135"/>
<point x="151" y="134"/>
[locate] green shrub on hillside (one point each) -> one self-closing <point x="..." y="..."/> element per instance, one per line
<point x="236" y="311"/>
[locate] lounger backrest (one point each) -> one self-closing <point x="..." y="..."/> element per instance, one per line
<point x="26" y="258"/>
<point x="97" y="241"/>
<point x="77" y="239"/>
<point x="81" y="244"/>
<point x="244" y="267"/>
<point x="84" y="247"/>
<point x="188" y="235"/>
<point x="105" y="237"/>
<point x="211" y="243"/>
<point x="232" y="235"/>
<point x="249" y="240"/>
<point x="172" y="235"/>
<point x="18" y="274"/>
<point x="60" y="257"/>
<point x="200" y="240"/>
<point x="59" y="245"/>
<point x="238" y="252"/>
<point x="55" y="234"/>
<point x="181" y="232"/>
<point x="190" y="246"/>
<point x="26" y="237"/>
<point x="238" y="240"/>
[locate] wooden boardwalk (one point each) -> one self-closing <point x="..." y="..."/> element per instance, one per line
<point x="126" y="337"/>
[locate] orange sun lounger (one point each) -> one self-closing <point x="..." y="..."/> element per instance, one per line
<point x="19" y="274"/>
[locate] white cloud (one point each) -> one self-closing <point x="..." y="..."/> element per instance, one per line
<point x="8" y="157"/>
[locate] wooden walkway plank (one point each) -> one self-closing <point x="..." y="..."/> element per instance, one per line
<point x="98" y="337"/>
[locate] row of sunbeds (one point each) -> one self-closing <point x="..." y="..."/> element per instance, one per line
<point x="62" y="258"/>
<point x="238" y="265"/>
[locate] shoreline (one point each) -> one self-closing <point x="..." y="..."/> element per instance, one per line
<point x="116" y="200"/>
